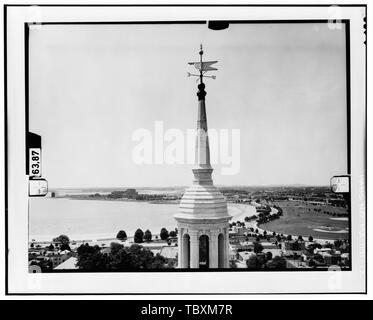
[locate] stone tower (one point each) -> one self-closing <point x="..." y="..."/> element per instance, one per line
<point x="203" y="216"/>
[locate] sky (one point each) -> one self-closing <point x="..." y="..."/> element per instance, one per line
<point x="281" y="86"/>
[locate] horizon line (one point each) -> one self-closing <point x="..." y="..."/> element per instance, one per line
<point x="186" y="186"/>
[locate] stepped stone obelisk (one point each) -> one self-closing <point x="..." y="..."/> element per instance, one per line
<point x="203" y="215"/>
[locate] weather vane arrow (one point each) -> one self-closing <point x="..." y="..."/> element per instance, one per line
<point x="202" y="67"/>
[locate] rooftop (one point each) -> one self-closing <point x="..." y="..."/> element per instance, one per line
<point x="68" y="264"/>
<point x="169" y="252"/>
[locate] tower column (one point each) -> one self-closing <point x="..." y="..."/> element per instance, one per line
<point x="213" y="254"/>
<point x="194" y="249"/>
<point x="226" y="249"/>
<point x="180" y="258"/>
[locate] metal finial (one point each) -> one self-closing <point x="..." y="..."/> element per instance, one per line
<point x="202" y="67"/>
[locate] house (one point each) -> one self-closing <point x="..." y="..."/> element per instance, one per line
<point x="130" y="193"/>
<point x="232" y="253"/>
<point x="295" y="263"/>
<point x="34" y="269"/>
<point x="323" y="251"/>
<point x="293" y="245"/>
<point x="235" y="237"/>
<point x="58" y="258"/>
<point x="169" y="252"/>
<point x="345" y="255"/>
<point x="268" y="245"/>
<point x="306" y="256"/>
<point x="155" y="251"/>
<point x="245" y="255"/>
<point x="332" y="259"/>
<point x="275" y="252"/>
<point x="245" y="246"/>
<point x="238" y="229"/>
<point x="69" y="264"/>
<point x="106" y="250"/>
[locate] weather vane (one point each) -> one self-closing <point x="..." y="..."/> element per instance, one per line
<point x="203" y="67"/>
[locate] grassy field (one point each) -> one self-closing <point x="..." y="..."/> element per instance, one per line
<point x="301" y="219"/>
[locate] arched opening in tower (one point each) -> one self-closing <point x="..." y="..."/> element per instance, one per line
<point x="186" y="251"/>
<point x="204" y="252"/>
<point x="221" y="251"/>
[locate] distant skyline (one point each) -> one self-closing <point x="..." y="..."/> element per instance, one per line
<point x="182" y="187"/>
<point x="282" y="85"/>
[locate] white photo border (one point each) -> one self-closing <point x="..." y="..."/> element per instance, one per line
<point x="19" y="281"/>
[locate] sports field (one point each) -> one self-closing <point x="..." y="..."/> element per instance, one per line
<point x="300" y="218"/>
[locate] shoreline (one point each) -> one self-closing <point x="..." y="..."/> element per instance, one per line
<point x="106" y="236"/>
<point x="255" y="225"/>
<point x="238" y="212"/>
<point x="120" y="200"/>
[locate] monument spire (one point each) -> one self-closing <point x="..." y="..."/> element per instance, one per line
<point x="202" y="172"/>
<point x="203" y="214"/>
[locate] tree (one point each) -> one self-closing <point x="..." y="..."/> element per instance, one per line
<point x="172" y="234"/>
<point x="310" y="238"/>
<point x="338" y="243"/>
<point x="158" y="262"/>
<point x="62" y="239"/>
<point x="148" y="235"/>
<point x="253" y="263"/>
<point x="164" y="234"/>
<point x="90" y="258"/>
<point x="64" y="247"/>
<point x="121" y="235"/>
<point x="311" y="247"/>
<point x="312" y="263"/>
<point x="258" y="247"/>
<point x="115" y="247"/>
<point x="45" y="265"/>
<point x="136" y="257"/>
<point x="247" y="219"/>
<point x="328" y="245"/>
<point x="289" y="237"/>
<point x="278" y="263"/>
<point x="269" y="255"/>
<point x="120" y="258"/>
<point x="319" y="258"/>
<point x="117" y="194"/>
<point x="139" y="236"/>
<point x="300" y="238"/>
<point x="51" y="247"/>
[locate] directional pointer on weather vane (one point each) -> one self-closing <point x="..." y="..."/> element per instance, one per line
<point x="202" y="67"/>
